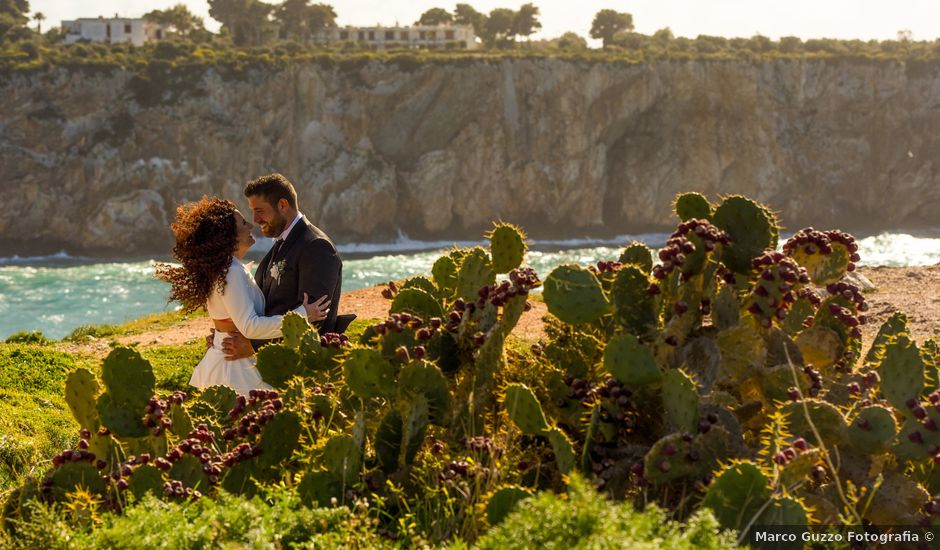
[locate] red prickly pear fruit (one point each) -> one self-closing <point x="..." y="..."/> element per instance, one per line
<point x="800" y="444"/>
<point x="665" y="466"/>
<point x="780" y="459"/>
<point x="672" y="341"/>
<point x="789" y="453"/>
<point x="793" y="393"/>
<point x="916" y="437"/>
<point x="919" y="412"/>
<point x="911" y="403"/>
<point x="669" y="449"/>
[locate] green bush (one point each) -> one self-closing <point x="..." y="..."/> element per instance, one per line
<point x="586" y="519"/>
<point x="279" y="521"/>
<point x="26" y="337"/>
<point x="83" y="333"/>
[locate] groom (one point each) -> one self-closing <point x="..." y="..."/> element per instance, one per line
<point x="302" y="260"/>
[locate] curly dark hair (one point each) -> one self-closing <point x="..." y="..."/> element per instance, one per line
<point x="206" y="239"/>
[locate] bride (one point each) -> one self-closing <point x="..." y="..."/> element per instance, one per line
<point x="212" y="238"/>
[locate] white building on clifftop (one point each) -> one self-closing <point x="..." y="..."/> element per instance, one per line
<point x="112" y="30"/>
<point x="418" y="36"/>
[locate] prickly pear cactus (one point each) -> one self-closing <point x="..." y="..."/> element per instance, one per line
<point x="424" y="378"/>
<point x="343" y="459"/>
<point x="564" y="451"/>
<point x="507" y="246"/>
<point x="524" y="409"/>
<point x="369" y="374"/>
<point x="293" y="326"/>
<point x="320" y="489"/>
<point x="737" y="494"/>
<point x="634" y="306"/>
<point x="70" y="476"/>
<point x="574" y="295"/>
<point x="902" y="372"/>
<point x="422" y="283"/>
<point x="475" y="272"/>
<point x="873" y="429"/>
<point x="638" y="254"/>
<point x="182" y="423"/>
<point x="279" y="439"/>
<point x="81" y="393"/>
<point x="128" y="378"/>
<point x="827" y="419"/>
<point x="122" y="421"/>
<point x="752" y="228"/>
<point x="630" y="361"/>
<point x="445" y="271"/>
<point x="214" y="403"/>
<point x="417" y="302"/>
<point x="277" y="364"/>
<point x="890" y="329"/>
<point x="146" y="479"/>
<point x="826" y="255"/>
<point x="502" y="502"/>
<point x="680" y="399"/>
<point x="188" y="470"/>
<point x="692" y="205"/>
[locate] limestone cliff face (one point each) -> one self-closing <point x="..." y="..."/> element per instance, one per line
<point x="100" y="160"/>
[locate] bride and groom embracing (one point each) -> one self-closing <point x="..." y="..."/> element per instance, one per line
<point x="302" y="273"/>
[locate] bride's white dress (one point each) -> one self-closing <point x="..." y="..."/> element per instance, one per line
<point x="243" y="303"/>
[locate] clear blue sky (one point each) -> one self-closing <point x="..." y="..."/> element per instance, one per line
<point x="864" y="19"/>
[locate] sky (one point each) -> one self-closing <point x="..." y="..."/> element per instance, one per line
<point x="843" y="19"/>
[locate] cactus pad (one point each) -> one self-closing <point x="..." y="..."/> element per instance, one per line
<point x="475" y="272"/>
<point x="784" y="511"/>
<point x="122" y="421"/>
<point x="502" y="503"/>
<point x="182" y="423"/>
<point x="898" y="501"/>
<point x="277" y="364"/>
<point x="638" y="254"/>
<point x="680" y="399"/>
<point x="146" y="479"/>
<point x="279" y="439"/>
<point x="72" y="475"/>
<point x="188" y="470"/>
<point x="238" y="480"/>
<point x="445" y="271"/>
<point x="692" y="205"/>
<point x="424" y="378"/>
<point x="507" y="246"/>
<point x="81" y="393"/>
<point x="902" y="372"/>
<point x="524" y="409"/>
<point x="418" y="302"/>
<point x="343" y="459"/>
<point x="873" y="429"/>
<point x="737" y="494"/>
<point x="574" y="295"/>
<point x="368" y="374"/>
<point x="743" y="351"/>
<point x="214" y="403"/>
<point x="293" y="327"/>
<point x="128" y="378"/>
<point x="828" y="421"/>
<point x="634" y="308"/>
<point x="564" y="452"/>
<point x="752" y="228"/>
<point x="820" y="346"/>
<point x="799" y="311"/>
<point x="312" y="356"/>
<point x="319" y="489"/>
<point x="422" y="283"/>
<point x="630" y="361"/>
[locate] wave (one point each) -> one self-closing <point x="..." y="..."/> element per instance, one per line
<point x="404" y="243"/>
<point x="59" y="257"/>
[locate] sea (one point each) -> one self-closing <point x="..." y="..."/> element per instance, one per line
<point x="59" y="292"/>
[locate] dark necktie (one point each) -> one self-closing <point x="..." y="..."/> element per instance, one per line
<point x="277" y="248"/>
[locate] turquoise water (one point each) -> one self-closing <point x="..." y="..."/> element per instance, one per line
<point x="57" y="293"/>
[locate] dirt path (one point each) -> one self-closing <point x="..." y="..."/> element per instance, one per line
<point x="915" y="291"/>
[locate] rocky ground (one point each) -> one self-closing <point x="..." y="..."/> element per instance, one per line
<point x="914" y="290"/>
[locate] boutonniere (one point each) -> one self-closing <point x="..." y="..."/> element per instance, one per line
<point x="277" y="269"/>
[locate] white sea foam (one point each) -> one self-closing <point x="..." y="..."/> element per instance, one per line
<point x="59" y="257"/>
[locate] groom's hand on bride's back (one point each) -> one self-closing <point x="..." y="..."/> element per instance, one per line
<point x="236" y="347"/>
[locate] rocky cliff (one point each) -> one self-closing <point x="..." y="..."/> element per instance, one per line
<point x="97" y="160"/>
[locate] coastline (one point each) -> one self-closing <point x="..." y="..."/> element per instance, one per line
<point x="912" y="290"/>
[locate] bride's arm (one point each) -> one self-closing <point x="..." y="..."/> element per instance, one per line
<point x="241" y="309"/>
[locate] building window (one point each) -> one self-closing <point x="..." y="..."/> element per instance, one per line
<point x="159" y="34"/>
<point x="362" y="35"/>
<point x="432" y="35"/>
<point x="390" y="35"/>
<point x="449" y="35"/>
<point x="422" y="35"/>
<point x="344" y="35"/>
<point x="127" y="28"/>
<point x="404" y="35"/>
<point x="371" y="35"/>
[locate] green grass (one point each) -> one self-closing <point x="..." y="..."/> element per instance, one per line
<point x="24" y="337"/>
<point x="33" y="369"/>
<point x="33" y="428"/>
<point x="173" y="365"/>
<point x="155" y="322"/>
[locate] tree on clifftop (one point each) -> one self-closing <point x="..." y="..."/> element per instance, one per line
<point x="608" y="23"/>
<point x="435" y="16"/>
<point x="300" y="20"/>
<point x="244" y="20"/>
<point x="499" y="28"/>
<point x="464" y="14"/>
<point x="13" y="16"/>
<point x="526" y="20"/>
<point x="178" y="18"/>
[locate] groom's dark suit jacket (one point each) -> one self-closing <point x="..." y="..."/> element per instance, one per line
<point x="311" y="264"/>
